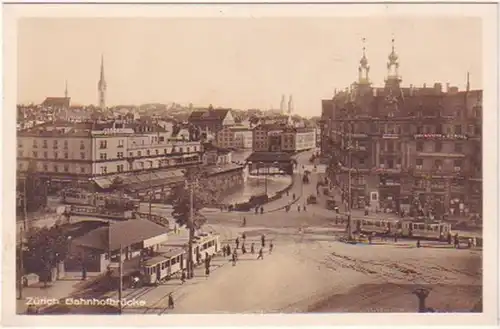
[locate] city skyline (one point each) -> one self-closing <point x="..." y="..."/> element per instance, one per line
<point x="238" y="63"/>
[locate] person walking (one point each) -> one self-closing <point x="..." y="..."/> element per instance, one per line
<point x="243" y="249"/>
<point x="304" y="207"/>
<point x="293" y="196"/>
<point x="170" y="301"/>
<point x="418" y="243"/>
<point x="207" y="271"/>
<point x="228" y="250"/>
<point x="237" y="242"/>
<point x="252" y="248"/>
<point x="271" y="246"/>
<point x="244" y="221"/>
<point x="298" y="208"/>
<point x="261" y="210"/>
<point x="244" y="236"/>
<point x="234" y="259"/>
<point x="261" y="254"/>
<point x="183" y="277"/>
<point x="263" y="240"/>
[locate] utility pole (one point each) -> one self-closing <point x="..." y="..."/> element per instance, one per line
<point x="120" y="286"/>
<point x="25" y="204"/>
<point x="265" y="182"/>
<point x="150" y="192"/>
<point x="349" y="179"/>
<point x="191" y="229"/>
<point x="21" y="263"/>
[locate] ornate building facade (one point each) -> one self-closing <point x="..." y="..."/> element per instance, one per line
<point x="405" y="146"/>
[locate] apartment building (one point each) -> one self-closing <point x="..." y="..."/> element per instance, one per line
<point x="283" y="138"/>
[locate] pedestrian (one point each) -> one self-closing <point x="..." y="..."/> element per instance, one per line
<point x="263" y="240"/>
<point x="261" y="210"/>
<point x="244" y="236"/>
<point x="271" y="246"/>
<point x="261" y="254"/>
<point x="418" y="243"/>
<point x="293" y="196"/>
<point x="304" y="207"/>
<point x="207" y="256"/>
<point x="243" y="249"/>
<point x="170" y="301"/>
<point x="183" y="277"/>
<point x="244" y="221"/>
<point x="370" y="239"/>
<point x="237" y="242"/>
<point x="298" y="208"/>
<point x="207" y="271"/>
<point x="469" y="243"/>
<point x="396" y="237"/>
<point x="449" y="238"/>
<point x="256" y="210"/>
<point x="234" y="258"/>
<point x="252" y="248"/>
<point x="228" y="250"/>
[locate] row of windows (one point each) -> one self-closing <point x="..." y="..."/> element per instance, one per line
<point x="55" y="144"/>
<point x="55" y="168"/>
<point x="438" y="163"/>
<point x="20" y="154"/>
<point x="438" y="147"/>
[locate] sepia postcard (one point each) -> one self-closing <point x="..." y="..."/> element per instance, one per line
<point x="296" y="164"/>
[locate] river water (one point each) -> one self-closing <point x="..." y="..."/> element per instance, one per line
<point x="256" y="185"/>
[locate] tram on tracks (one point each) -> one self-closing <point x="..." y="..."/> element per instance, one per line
<point x="162" y="267"/>
<point x="75" y="196"/>
<point x="411" y="228"/>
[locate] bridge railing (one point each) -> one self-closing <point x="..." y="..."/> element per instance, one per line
<point x="159" y="220"/>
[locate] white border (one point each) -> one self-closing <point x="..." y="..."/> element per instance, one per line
<point x="490" y="149"/>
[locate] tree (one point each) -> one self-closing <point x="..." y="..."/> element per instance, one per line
<point x="45" y="248"/>
<point x="195" y="191"/>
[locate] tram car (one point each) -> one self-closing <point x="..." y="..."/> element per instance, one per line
<point x="172" y="262"/>
<point x="85" y="198"/>
<point x="416" y="228"/>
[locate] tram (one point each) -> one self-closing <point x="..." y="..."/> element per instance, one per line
<point x="85" y="198"/>
<point x="166" y="265"/>
<point x="411" y="228"/>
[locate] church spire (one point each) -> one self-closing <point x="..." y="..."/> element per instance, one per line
<point x="364" y="68"/>
<point x="66" y="89"/>
<point x="467" y="87"/>
<point x="102" y="86"/>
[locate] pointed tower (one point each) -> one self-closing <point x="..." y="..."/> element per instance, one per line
<point x="393" y="79"/>
<point x="282" y="104"/>
<point x="467" y="87"/>
<point x="364" y="68"/>
<point x="290" y="105"/>
<point x="66" y="89"/>
<point x="101" y="87"/>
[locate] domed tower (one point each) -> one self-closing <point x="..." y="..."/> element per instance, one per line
<point x="364" y="68"/>
<point x="393" y="78"/>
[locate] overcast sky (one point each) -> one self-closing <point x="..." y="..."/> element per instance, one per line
<point x="237" y="62"/>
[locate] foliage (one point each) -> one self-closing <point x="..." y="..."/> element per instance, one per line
<point x="203" y="196"/>
<point x="45" y="248"/>
<point x="36" y="194"/>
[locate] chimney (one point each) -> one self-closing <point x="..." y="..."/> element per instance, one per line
<point x="447" y="87"/>
<point x="438" y="88"/>
<point x="425" y="85"/>
<point x="411" y="90"/>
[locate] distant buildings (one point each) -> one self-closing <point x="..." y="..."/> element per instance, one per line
<point x="102" y="88"/>
<point x="405" y="146"/>
<point x="235" y="137"/>
<point x="212" y="120"/>
<point x="282" y="138"/>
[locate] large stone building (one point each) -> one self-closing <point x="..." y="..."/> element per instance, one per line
<point x="83" y="153"/>
<point x="405" y="145"/>
<point x="211" y="120"/>
<point x="235" y="137"/>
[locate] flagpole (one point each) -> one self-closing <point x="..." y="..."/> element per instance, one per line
<point x="120" y="286"/>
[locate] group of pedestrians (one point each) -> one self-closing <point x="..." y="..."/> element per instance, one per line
<point x="242" y="245"/>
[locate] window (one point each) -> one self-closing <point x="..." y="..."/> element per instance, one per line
<point x="419" y="163"/>
<point x="104" y="170"/>
<point x="65" y="145"/>
<point x="56" y="169"/>
<point x="66" y="155"/>
<point x="119" y="155"/>
<point x="148" y="152"/>
<point x="120" y="143"/>
<point x="361" y="161"/>
<point x="103" y="144"/>
<point x="165" y="151"/>
<point x="390" y="163"/>
<point x="45" y="167"/>
<point x="35" y="154"/>
<point x="139" y="153"/>
<point x="82" y="145"/>
<point x="477" y="130"/>
<point x="427" y="130"/>
<point x="131" y="154"/>
<point x="82" y="155"/>
<point x="56" y="155"/>
<point x="188" y="150"/>
<point x="181" y="150"/>
<point x="45" y="154"/>
<point x="420" y="146"/>
<point x="157" y="151"/>
<point x="20" y="145"/>
<point x="55" y="142"/>
<point x="44" y="144"/>
<point x="457" y="164"/>
<point x="390" y="146"/>
<point x="162" y="139"/>
<point x="173" y="149"/>
<point x="458" y="147"/>
<point x="82" y="170"/>
<point x="20" y="154"/>
<point x="458" y="129"/>
<point x="103" y="156"/>
<point x="438" y="147"/>
<point x="35" y="144"/>
<point x="420" y="130"/>
<point x="438" y="164"/>
<point x="119" y="168"/>
<point x="439" y="129"/>
<point x="66" y="168"/>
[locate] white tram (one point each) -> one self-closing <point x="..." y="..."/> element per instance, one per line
<point x="417" y="228"/>
<point x="82" y="197"/>
<point x="174" y="260"/>
<point x="164" y="266"/>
